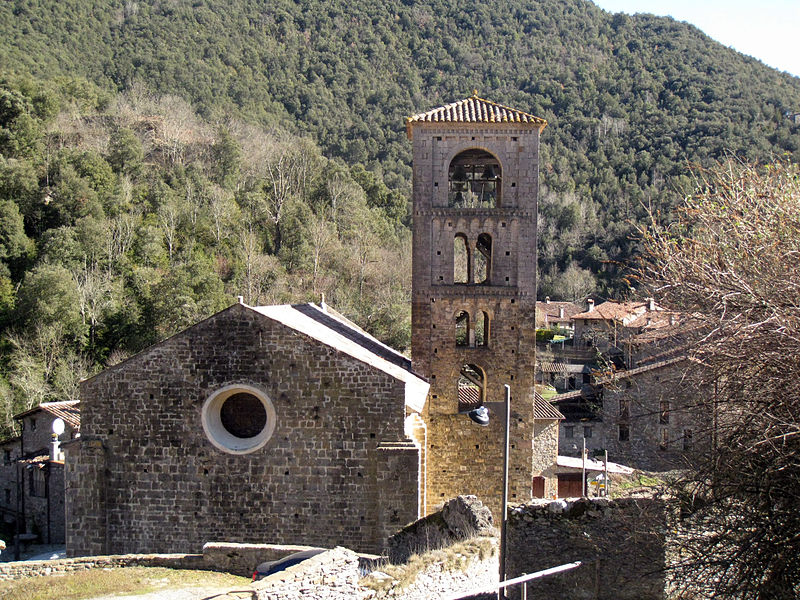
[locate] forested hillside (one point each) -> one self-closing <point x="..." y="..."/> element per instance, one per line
<point x="161" y="157"/>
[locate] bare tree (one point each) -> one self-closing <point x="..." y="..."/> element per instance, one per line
<point x="731" y="262"/>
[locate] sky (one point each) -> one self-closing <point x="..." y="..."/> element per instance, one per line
<point x="768" y="30"/>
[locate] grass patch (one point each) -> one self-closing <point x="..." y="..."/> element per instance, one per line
<point x="457" y="557"/>
<point x="81" y="585"/>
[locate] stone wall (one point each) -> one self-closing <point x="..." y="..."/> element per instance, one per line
<point x="620" y="541"/>
<point x="655" y="442"/>
<point x="43" y="568"/>
<point x="460" y="518"/>
<point x="144" y="476"/>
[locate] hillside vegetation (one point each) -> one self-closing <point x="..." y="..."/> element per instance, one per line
<point x="161" y="157"/>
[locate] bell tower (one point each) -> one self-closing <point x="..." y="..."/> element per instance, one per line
<point x="475" y="191"/>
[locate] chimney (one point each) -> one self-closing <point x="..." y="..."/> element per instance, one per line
<point x="547" y="299"/>
<point x="651" y="304"/>
<point x="590" y="305"/>
<point x="560" y="312"/>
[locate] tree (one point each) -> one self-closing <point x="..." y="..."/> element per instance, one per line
<point x="730" y="260"/>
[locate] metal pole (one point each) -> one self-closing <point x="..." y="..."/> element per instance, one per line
<point x="583" y="469"/>
<point x="505" y="490"/>
<point x="606" y="481"/>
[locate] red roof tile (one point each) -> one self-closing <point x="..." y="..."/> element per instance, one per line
<point x="475" y="110"/>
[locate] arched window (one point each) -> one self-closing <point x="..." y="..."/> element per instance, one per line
<point x="461" y="259"/>
<point x="482" y="329"/>
<point x="462" y="328"/>
<point x="483" y="258"/>
<point x="471" y="388"/>
<point x="474" y="180"/>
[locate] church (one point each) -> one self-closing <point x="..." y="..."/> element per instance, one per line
<point x="291" y="425"/>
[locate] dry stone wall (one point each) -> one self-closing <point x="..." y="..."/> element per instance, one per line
<point x="621" y="543"/>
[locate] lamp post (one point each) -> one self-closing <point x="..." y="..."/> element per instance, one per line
<point x="480" y="416"/>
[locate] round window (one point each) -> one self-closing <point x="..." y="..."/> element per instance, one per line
<point x="238" y="419"/>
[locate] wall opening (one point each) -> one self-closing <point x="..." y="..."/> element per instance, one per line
<point x="462" y="328"/>
<point x="461" y="259"/>
<point x="471" y="387"/>
<point x="483" y="258"/>
<point x="482" y="329"/>
<point x="238" y="419"/>
<point x="474" y="179"/>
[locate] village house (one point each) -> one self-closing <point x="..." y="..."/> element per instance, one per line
<point x="32" y="473"/>
<point x="608" y="326"/>
<point x="552" y="314"/>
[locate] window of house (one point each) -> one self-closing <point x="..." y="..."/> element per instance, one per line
<point x="663" y="412"/>
<point x="461" y="259"/>
<point x="569" y="431"/>
<point x="7" y="457"/>
<point x="8" y="497"/>
<point x="624" y="408"/>
<point x="33" y="424"/>
<point x="663" y="443"/>
<point x="238" y="419"/>
<point x="462" y="328"/>
<point x="36" y="480"/>
<point x="474" y="180"/>
<point x="624" y="432"/>
<point x="587" y="431"/>
<point x="471" y="387"/>
<point x="687" y="439"/>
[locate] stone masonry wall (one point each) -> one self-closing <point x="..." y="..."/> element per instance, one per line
<point x="464" y="458"/>
<point x="647" y="427"/>
<point x="620" y="541"/>
<point x="146" y="478"/>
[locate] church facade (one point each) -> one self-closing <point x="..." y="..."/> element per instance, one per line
<point x="278" y="424"/>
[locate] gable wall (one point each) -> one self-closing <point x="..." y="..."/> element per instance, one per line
<point x="145" y="478"/>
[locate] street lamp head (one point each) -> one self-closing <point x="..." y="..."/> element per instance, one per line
<point x="480" y="415"/>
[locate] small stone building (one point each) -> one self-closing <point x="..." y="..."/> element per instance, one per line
<point x="278" y="424"/>
<point x="32" y="472"/>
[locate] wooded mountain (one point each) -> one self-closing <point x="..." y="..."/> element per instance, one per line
<point x="287" y="173"/>
<point x="631" y="101"/>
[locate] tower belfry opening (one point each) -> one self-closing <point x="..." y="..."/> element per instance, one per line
<point x="476" y="183"/>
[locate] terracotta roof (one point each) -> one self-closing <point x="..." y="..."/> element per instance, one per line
<point x="474" y="110"/>
<point x="553" y="367"/>
<point x="542" y="409"/>
<point x="639" y="370"/>
<point x="626" y="312"/>
<point x="549" y="312"/>
<point x="68" y="411"/>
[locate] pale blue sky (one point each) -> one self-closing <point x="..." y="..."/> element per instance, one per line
<point x="768" y="30"/>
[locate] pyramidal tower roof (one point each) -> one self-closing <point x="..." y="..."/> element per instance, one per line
<point x="474" y="110"/>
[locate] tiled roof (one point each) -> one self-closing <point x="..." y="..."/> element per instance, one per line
<point x="542" y="409"/>
<point x="615" y="311"/>
<point x="68" y="411"/>
<point x="639" y="370"/>
<point x="549" y="312"/>
<point x="549" y="367"/>
<point x="474" y="110"/>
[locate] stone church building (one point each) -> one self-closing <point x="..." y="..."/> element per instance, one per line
<point x="289" y="424"/>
